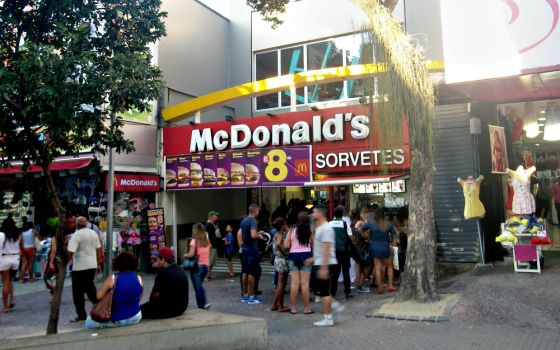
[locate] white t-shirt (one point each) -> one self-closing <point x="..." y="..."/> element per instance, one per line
<point x="84" y="244"/>
<point x="324" y="234"/>
<point x="8" y="247"/>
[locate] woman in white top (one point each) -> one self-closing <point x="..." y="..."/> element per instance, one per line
<point x="9" y="260"/>
<point x="27" y="243"/>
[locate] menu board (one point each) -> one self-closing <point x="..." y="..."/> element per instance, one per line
<point x="239" y="169"/>
<point x="156" y="230"/>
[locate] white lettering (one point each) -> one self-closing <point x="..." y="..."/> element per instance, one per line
<point x="387" y="157"/>
<point x="354" y="160"/>
<point x="398" y="156"/>
<point x="360" y="127"/>
<point x="317" y="129"/>
<point x="261" y="136"/>
<point x="221" y="140"/>
<point x="343" y="159"/>
<point x="376" y="157"/>
<point x="301" y="133"/>
<point x="283" y="129"/>
<point x="320" y="161"/>
<point x="332" y="160"/>
<point x="235" y="130"/>
<point x="365" y="158"/>
<point x="133" y="182"/>
<point x="335" y="123"/>
<point x="201" y="142"/>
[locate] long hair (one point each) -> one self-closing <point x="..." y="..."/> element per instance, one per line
<point x="200" y="235"/>
<point x="10" y="229"/>
<point x="303" y="232"/>
<point x="379" y="218"/>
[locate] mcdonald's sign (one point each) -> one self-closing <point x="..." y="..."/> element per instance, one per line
<point x="302" y="167"/>
<point x="135" y="183"/>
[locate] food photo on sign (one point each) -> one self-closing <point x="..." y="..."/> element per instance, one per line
<point x="183" y="172"/>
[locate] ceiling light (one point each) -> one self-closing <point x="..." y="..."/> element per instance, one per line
<point x="530" y="124"/>
<point x="552" y="126"/>
<point x="537" y="144"/>
<point x="541" y="119"/>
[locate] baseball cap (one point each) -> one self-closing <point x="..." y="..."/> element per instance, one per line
<point x="166" y="254"/>
<point x="213" y="212"/>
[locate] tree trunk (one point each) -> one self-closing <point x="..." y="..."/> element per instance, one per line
<point x="419" y="281"/>
<point x="52" y="327"/>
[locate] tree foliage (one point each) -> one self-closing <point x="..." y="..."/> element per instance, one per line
<point x="270" y="10"/>
<point x="66" y="66"/>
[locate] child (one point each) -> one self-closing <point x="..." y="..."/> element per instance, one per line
<point x="229" y="249"/>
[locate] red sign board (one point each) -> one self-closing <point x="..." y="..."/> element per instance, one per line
<point x="340" y="139"/>
<point x="135" y="183"/>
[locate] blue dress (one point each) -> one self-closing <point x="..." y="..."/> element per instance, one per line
<point x="380" y="244"/>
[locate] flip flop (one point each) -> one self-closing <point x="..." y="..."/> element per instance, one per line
<point x="12" y="305"/>
<point x="274" y="309"/>
<point x="393" y="289"/>
<point x="293" y="312"/>
<point x="309" y="313"/>
<point x="286" y="309"/>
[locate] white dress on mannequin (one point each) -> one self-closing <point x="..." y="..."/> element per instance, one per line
<point x="523" y="200"/>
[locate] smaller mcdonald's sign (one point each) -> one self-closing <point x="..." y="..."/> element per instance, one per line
<point x="302" y="167"/>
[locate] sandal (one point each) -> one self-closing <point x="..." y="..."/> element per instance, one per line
<point x="293" y="312"/>
<point x="309" y="312"/>
<point x="284" y="309"/>
<point x="393" y="289"/>
<point x="274" y="308"/>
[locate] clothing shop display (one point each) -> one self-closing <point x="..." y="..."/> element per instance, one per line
<point x="523" y="200"/>
<point x="471" y="191"/>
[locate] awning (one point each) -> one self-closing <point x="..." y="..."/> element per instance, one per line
<point x="354" y="180"/>
<point x="61" y="163"/>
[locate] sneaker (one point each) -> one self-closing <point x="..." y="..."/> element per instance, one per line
<point x="77" y="320"/>
<point x="325" y="322"/>
<point x="207" y="306"/>
<point x="363" y="290"/>
<point x="337" y="307"/>
<point x="317" y="300"/>
<point x="349" y="296"/>
<point x="254" y="300"/>
<point x="244" y="298"/>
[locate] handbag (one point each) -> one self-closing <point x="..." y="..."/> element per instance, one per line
<point x="101" y="312"/>
<point x="192" y="263"/>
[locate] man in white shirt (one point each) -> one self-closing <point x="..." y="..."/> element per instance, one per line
<point x="86" y="251"/>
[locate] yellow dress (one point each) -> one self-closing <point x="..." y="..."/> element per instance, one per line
<point x="473" y="206"/>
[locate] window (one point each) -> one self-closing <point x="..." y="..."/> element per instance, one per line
<point x="343" y="51"/>
<point x="292" y="62"/>
<point x="267" y="67"/>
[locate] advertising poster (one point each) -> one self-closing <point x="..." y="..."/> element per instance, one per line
<point x="209" y="171"/>
<point x="156" y="232"/>
<point x="237" y="169"/>
<point x="240" y="169"/>
<point x="196" y="166"/>
<point x="498" y="149"/>
<point x="183" y="172"/>
<point x="223" y="169"/>
<point x="171" y="173"/>
<point x="252" y="168"/>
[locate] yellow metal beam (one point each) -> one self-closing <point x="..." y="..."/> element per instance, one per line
<point x="263" y="87"/>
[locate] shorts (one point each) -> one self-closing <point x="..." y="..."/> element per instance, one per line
<point x="294" y="268"/>
<point x="251" y="262"/>
<point x="322" y="288"/>
<point x="213" y="256"/>
<point x="297" y="261"/>
<point x="281" y="265"/>
<point x="9" y="262"/>
<point x="28" y="253"/>
<point x="380" y="250"/>
<point x="229" y="256"/>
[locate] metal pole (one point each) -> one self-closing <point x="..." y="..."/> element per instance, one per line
<point x="110" y="197"/>
<point x="174" y="228"/>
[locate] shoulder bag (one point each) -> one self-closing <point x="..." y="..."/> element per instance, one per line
<point x="192" y="263"/>
<point x="101" y="312"/>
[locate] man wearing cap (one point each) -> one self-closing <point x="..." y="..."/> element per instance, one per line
<point x="170" y="295"/>
<point x="210" y="226"/>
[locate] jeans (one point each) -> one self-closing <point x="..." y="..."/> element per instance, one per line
<point x="91" y="324"/>
<point x="197" y="277"/>
<point x="343" y="259"/>
<point x="83" y="282"/>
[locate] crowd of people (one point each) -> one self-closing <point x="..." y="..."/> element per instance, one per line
<point x="309" y="254"/>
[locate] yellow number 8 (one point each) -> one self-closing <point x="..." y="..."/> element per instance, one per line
<point x="276" y="169"/>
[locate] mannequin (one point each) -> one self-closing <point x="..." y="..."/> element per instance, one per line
<point x="471" y="190"/>
<point x="523" y="200"/>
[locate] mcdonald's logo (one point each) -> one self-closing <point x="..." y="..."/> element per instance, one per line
<point x="302" y="167"/>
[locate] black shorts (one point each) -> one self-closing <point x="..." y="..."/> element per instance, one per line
<point x="322" y="288"/>
<point x="229" y="256"/>
<point x="251" y="262"/>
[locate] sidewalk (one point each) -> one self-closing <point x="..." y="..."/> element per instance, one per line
<point x="497" y="310"/>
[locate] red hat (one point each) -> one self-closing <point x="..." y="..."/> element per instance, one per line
<point x="166" y="254"/>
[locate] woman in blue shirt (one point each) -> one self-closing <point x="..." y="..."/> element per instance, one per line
<point x="126" y="297"/>
<point x="380" y="232"/>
